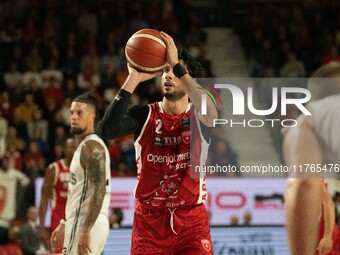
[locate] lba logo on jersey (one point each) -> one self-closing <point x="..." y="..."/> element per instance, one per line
<point x="185" y="122"/>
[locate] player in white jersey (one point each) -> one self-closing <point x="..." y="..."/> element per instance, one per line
<point x="314" y="141"/>
<point x="86" y="227"/>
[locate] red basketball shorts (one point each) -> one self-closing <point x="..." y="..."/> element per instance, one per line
<point x="171" y="231"/>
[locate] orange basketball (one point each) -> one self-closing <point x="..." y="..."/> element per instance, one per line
<point x="146" y="51"/>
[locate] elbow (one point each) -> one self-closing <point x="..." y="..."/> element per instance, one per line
<point x="210" y="119"/>
<point x="213" y="113"/>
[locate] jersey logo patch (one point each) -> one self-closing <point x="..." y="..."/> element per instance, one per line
<point x="158" y="141"/>
<point x="206" y="244"/>
<point x="185" y="122"/>
<point x="186" y="137"/>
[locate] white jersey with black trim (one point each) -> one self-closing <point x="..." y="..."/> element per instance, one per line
<point x="326" y="117"/>
<point x="78" y="186"/>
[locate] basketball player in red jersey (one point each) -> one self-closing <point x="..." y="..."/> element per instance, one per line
<point x="54" y="190"/>
<point x="170" y="217"/>
<point x="314" y="141"/>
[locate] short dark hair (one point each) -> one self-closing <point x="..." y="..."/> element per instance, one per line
<point x="194" y="68"/>
<point x="91" y="98"/>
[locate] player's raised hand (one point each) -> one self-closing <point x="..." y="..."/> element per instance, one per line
<point x="171" y="49"/>
<point x="140" y="75"/>
<point x="135" y="77"/>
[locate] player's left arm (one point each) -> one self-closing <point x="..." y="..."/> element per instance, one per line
<point x="326" y="243"/>
<point x="46" y="192"/>
<point x="46" y="195"/>
<point x="303" y="195"/>
<point x="93" y="160"/>
<point x="192" y="88"/>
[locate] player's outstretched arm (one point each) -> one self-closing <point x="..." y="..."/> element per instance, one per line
<point x="93" y="160"/>
<point x="326" y="243"/>
<point x="192" y="88"/>
<point x="46" y="195"/>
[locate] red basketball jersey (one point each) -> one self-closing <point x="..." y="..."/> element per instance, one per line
<point x="60" y="191"/>
<point x="165" y="148"/>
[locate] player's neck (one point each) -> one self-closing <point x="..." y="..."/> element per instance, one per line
<point x="81" y="136"/>
<point x="68" y="162"/>
<point x="175" y="107"/>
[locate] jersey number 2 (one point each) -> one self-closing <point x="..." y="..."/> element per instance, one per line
<point x="158" y="126"/>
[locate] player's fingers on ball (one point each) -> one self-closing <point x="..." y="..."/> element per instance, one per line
<point x="167" y="38"/>
<point x="166" y="41"/>
<point x="171" y="40"/>
<point x="164" y="34"/>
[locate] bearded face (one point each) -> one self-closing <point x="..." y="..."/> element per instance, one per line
<point x="172" y="87"/>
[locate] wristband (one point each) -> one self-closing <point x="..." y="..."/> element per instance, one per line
<point x="179" y="70"/>
<point x="63" y="221"/>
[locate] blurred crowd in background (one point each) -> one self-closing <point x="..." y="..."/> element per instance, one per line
<point x="51" y="51"/>
<point x="290" y="41"/>
<point x="287" y="40"/>
<point x="54" y="50"/>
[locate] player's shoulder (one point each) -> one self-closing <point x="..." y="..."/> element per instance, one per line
<point x="52" y="166"/>
<point x="302" y="122"/>
<point x="93" y="146"/>
<point x="93" y="151"/>
<point x="139" y="113"/>
<point x="94" y="141"/>
<point x="139" y="109"/>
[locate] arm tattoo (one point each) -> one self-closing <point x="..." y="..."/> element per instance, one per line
<point x="93" y="160"/>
